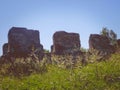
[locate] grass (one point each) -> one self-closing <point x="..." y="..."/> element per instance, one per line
<point x="104" y="75"/>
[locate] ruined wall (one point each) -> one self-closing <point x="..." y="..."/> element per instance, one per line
<point x="100" y="43"/>
<point x="65" y="43"/>
<point x="22" y="41"/>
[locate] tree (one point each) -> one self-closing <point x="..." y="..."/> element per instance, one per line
<point x="112" y="36"/>
<point x="105" y="32"/>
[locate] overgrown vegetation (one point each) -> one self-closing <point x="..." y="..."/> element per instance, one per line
<point x="91" y="70"/>
<point x="60" y="73"/>
<point x="112" y="36"/>
<point x="21" y="67"/>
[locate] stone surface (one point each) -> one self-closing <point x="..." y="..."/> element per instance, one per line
<point x="118" y="41"/>
<point x="5" y="48"/>
<point x="22" y="42"/>
<point x="100" y="43"/>
<point x="65" y="43"/>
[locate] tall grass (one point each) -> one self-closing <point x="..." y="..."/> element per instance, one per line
<point x="58" y="75"/>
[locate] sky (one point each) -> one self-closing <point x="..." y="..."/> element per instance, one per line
<point x="48" y="16"/>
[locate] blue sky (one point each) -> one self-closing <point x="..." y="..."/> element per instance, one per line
<point x="48" y="16"/>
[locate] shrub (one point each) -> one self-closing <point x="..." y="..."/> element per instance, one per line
<point x="21" y="66"/>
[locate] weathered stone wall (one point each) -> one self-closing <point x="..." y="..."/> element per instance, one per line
<point x="5" y="48"/>
<point x="22" y="42"/>
<point x="65" y="43"/>
<point x="100" y="43"/>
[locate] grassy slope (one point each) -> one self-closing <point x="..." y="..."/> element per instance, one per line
<point x="104" y="75"/>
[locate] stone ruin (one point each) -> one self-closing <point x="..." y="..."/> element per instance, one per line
<point x="100" y="43"/>
<point x="5" y="48"/>
<point x="22" y="42"/>
<point x="65" y="43"/>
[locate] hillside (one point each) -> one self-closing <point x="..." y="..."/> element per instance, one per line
<point x="26" y="65"/>
<point x="63" y="75"/>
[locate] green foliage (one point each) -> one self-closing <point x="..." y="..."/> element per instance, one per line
<point x="105" y="32"/>
<point x="83" y="49"/>
<point x="46" y="51"/>
<point x="104" y="75"/>
<point x="21" y="66"/>
<point x="110" y="34"/>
